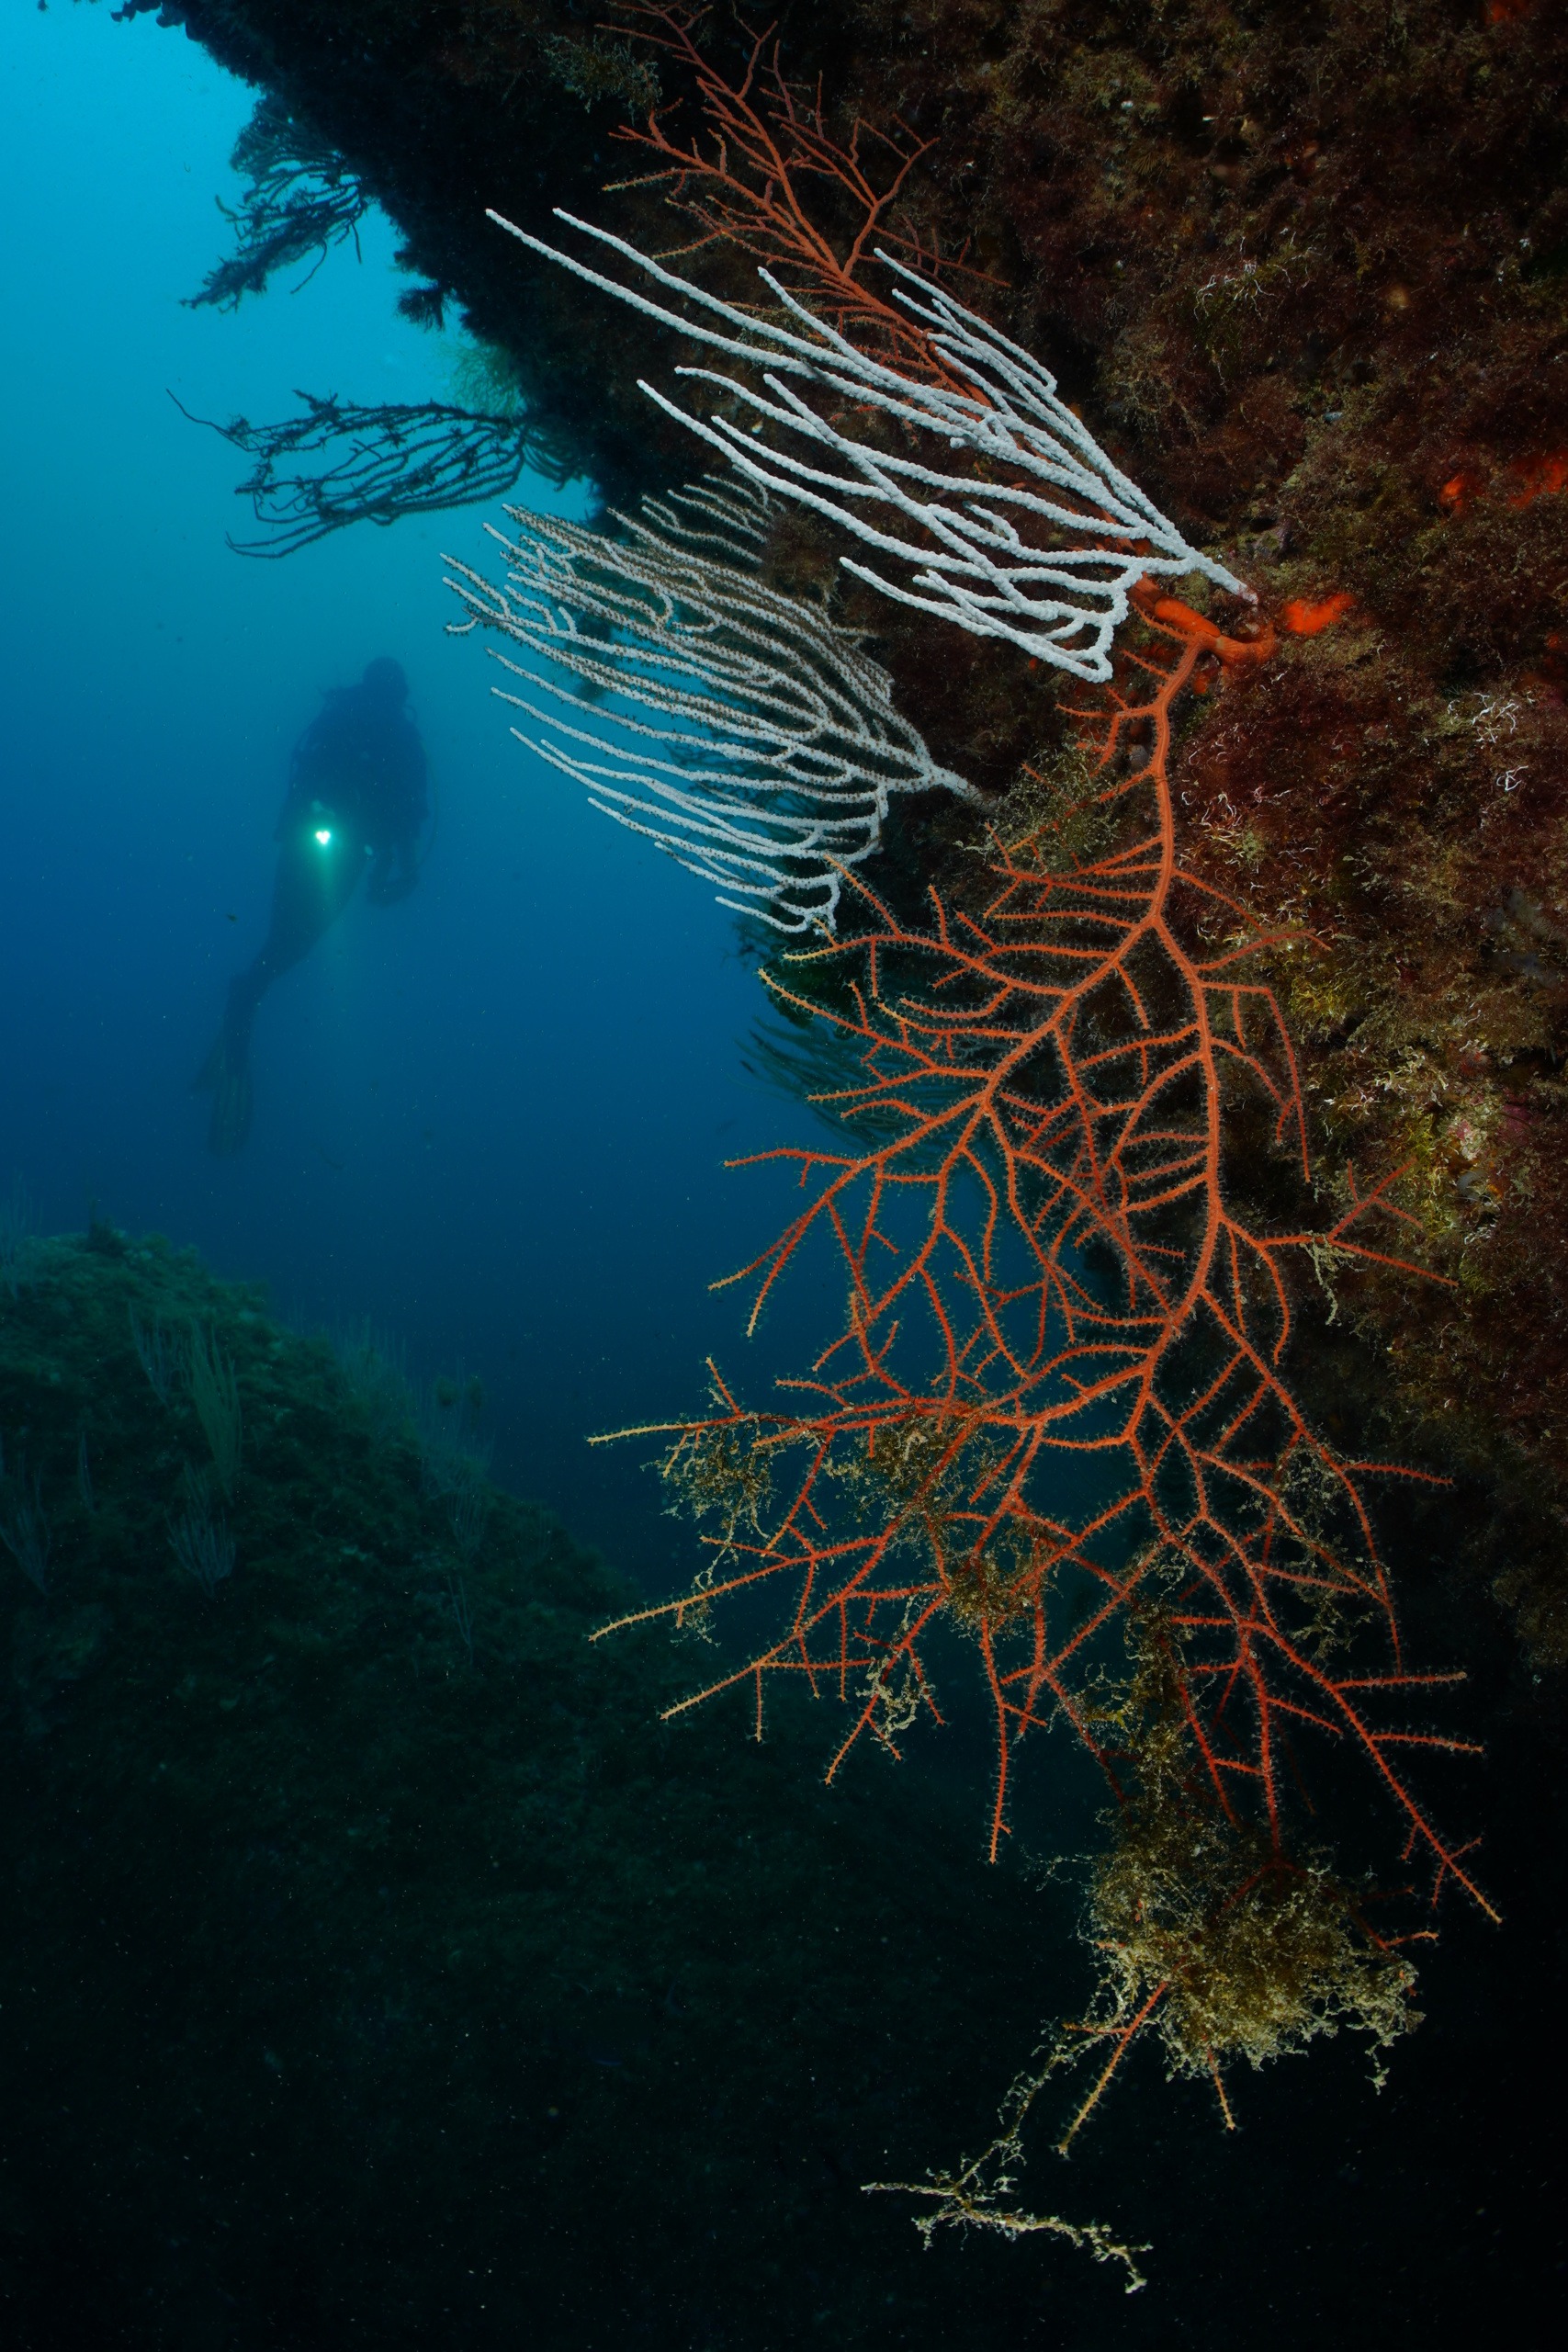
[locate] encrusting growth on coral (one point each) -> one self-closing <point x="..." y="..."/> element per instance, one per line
<point x="300" y="202"/>
<point x="1206" y="1935"/>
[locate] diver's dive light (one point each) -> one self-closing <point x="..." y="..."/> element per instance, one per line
<point x="324" y="835"/>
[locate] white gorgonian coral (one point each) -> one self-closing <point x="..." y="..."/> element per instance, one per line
<point x="1024" y="530"/>
<point x="741" y="729"/>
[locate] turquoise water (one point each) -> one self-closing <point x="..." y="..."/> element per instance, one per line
<point x="490" y="1119"/>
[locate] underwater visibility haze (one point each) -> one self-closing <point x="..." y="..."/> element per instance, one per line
<point x="499" y="1056"/>
<point x="1038" y="1124"/>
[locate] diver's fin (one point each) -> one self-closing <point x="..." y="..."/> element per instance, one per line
<point x="230" y="1121"/>
<point x="226" y="1076"/>
<point x="211" y="1070"/>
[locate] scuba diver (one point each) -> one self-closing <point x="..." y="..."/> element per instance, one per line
<point x="355" y="804"/>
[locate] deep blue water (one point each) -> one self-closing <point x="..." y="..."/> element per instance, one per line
<point x="493" y="1119"/>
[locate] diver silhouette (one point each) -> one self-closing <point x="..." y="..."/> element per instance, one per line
<point x="357" y="801"/>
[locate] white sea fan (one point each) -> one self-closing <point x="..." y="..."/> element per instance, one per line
<point x="743" y="730"/>
<point x="1034" y="536"/>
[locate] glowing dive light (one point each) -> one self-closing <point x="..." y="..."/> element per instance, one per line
<point x="324" y="835"/>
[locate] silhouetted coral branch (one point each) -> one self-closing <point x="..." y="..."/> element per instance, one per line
<point x="302" y="201"/>
<point x="379" y="463"/>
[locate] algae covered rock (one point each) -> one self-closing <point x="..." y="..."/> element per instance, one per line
<point x="374" y="1959"/>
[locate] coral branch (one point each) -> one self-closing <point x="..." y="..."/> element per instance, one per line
<point x="373" y="465"/>
<point x="763" y="171"/>
<point x="743" y="730"/>
<point x="1057" y="1401"/>
<point x="1026" y="531"/>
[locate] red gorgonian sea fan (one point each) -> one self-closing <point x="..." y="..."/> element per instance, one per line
<point x="1058" y="1417"/>
<point x="762" y="174"/>
<point x="1058" y="1410"/>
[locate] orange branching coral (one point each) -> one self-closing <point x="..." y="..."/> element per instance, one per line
<point x="765" y="176"/>
<point x="1059" y="1402"/>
